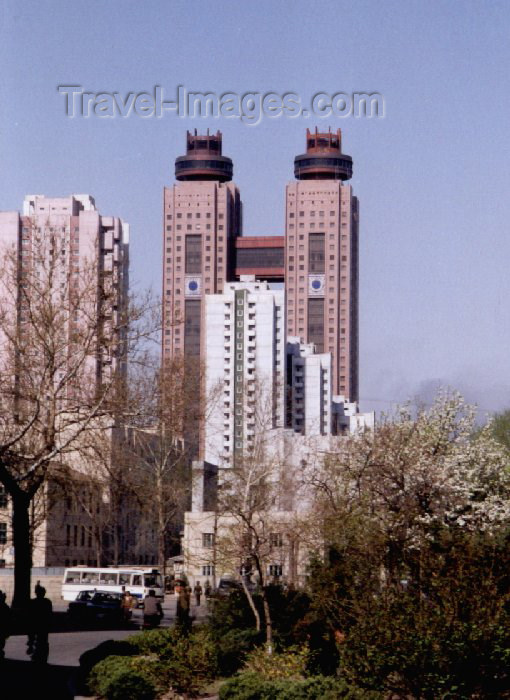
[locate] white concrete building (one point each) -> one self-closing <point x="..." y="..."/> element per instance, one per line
<point x="244" y="368"/>
<point x="309" y="389"/>
<point x="311" y="408"/>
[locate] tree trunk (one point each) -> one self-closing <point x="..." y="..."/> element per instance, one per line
<point x="160" y="512"/>
<point x="265" y="604"/>
<point x="252" y="603"/>
<point x="215" y="550"/>
<point x="269" y="622"/>
<point x="98" y="537"/>
<point x="22" y="549"/>
<point x="115" y="535"/>
<point x="162" y="551"/>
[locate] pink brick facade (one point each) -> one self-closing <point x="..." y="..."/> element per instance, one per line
<point x="321" y="274"/>
<point x="83" y="240"/>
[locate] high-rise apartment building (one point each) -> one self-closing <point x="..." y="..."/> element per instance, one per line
<point x="321" y="257"/>
<point x="71" y="239"/>
<point x="202" y="216"/>
<point x="309" y="398"/>
<point x="244" y="345"/>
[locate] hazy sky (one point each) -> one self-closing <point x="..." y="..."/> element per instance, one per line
<point x="432" y="176"/>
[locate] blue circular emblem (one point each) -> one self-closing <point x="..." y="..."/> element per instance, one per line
<point x="193" y="286"/>
<point x="316" y="284"/>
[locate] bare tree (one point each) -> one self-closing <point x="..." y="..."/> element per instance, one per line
<point x="257" y="520"/>
<point x="103" y="488"/>
<point x="163" y="441"/>
<point x="62" y="368"/>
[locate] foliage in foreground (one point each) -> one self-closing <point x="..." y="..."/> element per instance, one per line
<point x="416" y="587"/>
<point x="124" y="678"/>
<point x="291" y="663"/>
<point x="251" y="686"/>
<point x="295" y="622"/>
<point x="164" y="659"/>
<point x="446" y="630"/>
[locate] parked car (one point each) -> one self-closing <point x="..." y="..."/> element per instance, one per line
<point x="226" y="586"/>
<point x="96" y="606"/>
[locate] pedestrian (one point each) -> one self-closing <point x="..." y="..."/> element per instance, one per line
<point x="37" y="586"/>
<point x="183" y="606"/>
<point x="5" y="623"/>
<point x="127" y="604"/>
<point x="40" y="614"/>
<point x="152" y="610"/>
<point x="197" y="590"/>
<point x="207" y="589"/>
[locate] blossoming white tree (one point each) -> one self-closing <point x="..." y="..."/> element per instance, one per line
<point x="416" y="472"/>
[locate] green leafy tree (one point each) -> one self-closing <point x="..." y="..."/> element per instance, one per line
<point x="500" y="428"/>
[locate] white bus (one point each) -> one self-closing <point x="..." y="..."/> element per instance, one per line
<point x="138" y="580"/>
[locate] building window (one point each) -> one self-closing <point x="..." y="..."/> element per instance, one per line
<point x="275" y="570"/>
<point x="208" y="570"/>
<point x="316" y="323"/>
<point x="193" y="254"/>
<point x="208" y="540"/>
<point x="3" y="497"/>
<point x="276" y="539"/>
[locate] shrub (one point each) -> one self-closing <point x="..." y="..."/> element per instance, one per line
<point x="130" y="685"/>
<point x="232" y="612"/>
<point x="290" y="663"/>
<point x="408" y="648"/>
<point x="122" y="678"/>
<point x="161" y="642"/>
<point x="91" y="657"/>
<point x="250" y="686"/>
<point x="233" y="647"/>
<point x="165" y="659"/>
<point x="185" y="662"/>
<point x="192" y="663"/>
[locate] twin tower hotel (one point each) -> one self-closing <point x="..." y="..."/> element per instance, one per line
<point x="273" y="319"/>
<point x="316" y="258"/>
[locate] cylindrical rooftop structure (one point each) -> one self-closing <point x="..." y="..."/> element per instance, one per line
<point x="323" y="159"/>
<point x="203" y="159"/>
